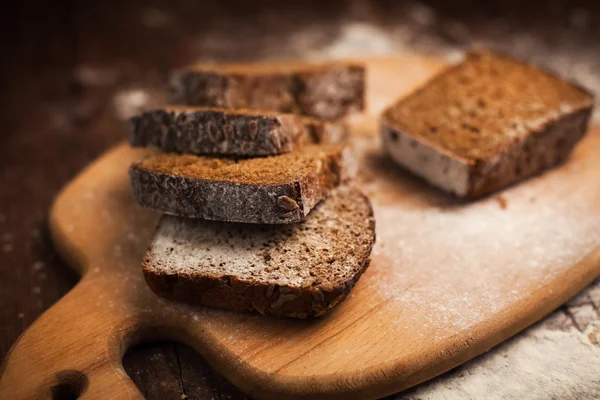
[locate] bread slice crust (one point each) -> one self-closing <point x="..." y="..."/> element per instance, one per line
<point x="215" y="131"/>
<point x="486" y="123"/>
<point x="299" y="271"/>
<point x="326" y="91"/>
<point x="271" y="190"/>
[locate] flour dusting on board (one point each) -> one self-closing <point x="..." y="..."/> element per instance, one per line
<point x="473" y="259"/>
<point x="520" y="369"/>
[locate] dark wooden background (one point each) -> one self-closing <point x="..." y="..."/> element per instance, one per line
<point x="70" y="71"/>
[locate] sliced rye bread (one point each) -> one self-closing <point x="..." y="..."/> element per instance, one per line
<point x="486" y="123"/>
<point x="271" y="190"/>
<point x="296" y="270"/>
<point x="326" y="91"/>
<point x="213" y="131"/>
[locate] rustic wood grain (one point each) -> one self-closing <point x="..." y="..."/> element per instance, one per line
<point x="161" y="381"/>
<point x="58" y="55"/>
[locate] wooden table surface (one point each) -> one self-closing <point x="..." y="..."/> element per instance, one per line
<point x="71" y="71"/>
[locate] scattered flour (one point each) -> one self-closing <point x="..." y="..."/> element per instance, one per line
<point x="94" y="76"/>
<point x="459" y="264"/>
<point x="523" y="368"/>
<point x="130" y="102"/>
<point x="357" y="39"/>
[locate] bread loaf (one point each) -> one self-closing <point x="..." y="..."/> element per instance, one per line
<point x="486" y="123"/>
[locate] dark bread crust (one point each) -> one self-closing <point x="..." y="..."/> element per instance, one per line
<point x="231" y="292"/>
<point x="211" y="131"/>
<point x="234" y="294"/>
<point x="237" y="201"/>
<point x="328" y="92"/>
<point x="541" y="149"/>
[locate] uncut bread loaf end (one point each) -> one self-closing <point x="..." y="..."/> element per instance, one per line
<point x="486" y="123"/>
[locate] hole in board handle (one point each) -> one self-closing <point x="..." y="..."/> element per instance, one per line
<point x="70" y="385"/>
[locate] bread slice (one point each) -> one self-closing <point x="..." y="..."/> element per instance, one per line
<point x="296" y="270"/>
<point x="486" y="123"/>
<point x="271" y="190"/>
<point x="326" y="91"/>
<point x="213" y="131"/>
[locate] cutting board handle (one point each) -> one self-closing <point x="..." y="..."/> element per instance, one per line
<point x="50" y="361"/>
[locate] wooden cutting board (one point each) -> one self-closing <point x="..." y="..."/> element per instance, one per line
<point x="448" y="281"/>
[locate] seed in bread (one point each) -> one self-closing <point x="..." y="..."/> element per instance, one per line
<point x="213" y="131"/>
<point x="271" y="190"/>
<point x="486" y="123"/>
<point x="296" y="270"/>
<point x="325" y="91"/>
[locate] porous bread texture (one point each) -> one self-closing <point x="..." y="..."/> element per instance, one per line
<point x="214" y="131"/>
<point x="272" y="190"/>
<point x="327" y="91"/>
<point x="296" y="270"/>
<point x="486" y="123"/>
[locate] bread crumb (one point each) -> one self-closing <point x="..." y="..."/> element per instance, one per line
<point x="502" y="201"/>
<point x="36" y="290"/>
<point x="20" y="315"/>
<point x="592" y="336"/>
<point x="184" y="396"/>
